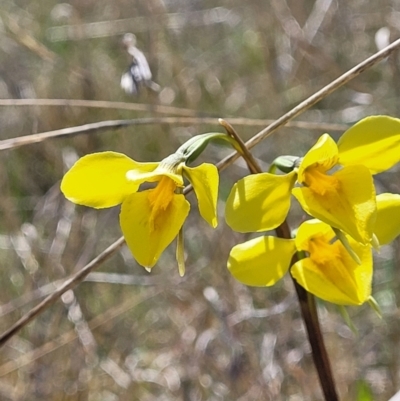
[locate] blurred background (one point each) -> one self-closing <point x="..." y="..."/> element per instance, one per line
<point x="124" y="334"/>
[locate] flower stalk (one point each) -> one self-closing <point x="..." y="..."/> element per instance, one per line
<point x="306" y="300"/>
<point x="320" y="357"/>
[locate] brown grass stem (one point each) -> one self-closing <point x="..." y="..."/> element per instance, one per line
<point x="101" y="126"/>
<point x="102" y="104"/>
<point x="320" y="356"/>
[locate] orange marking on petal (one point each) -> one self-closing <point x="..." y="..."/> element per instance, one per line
<point x="160" y="198"/>
<point x="321" y="251"/>
<point x="319" y="182"/>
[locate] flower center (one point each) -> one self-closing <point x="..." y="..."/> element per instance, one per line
<point x="160" y="197"/>
<point x="321" y="251"/>
<point x="319" y="182"/>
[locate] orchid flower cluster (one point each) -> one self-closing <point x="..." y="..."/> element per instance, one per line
<point x="333" y="183"/>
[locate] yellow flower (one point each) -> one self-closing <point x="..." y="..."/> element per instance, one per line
<point x="344" y="199"/>
<point x="149" y="219"/>
<point x="327" y="271"/>
<point x="335" y="182"/>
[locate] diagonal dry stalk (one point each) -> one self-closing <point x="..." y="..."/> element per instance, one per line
<point x="303" y="106"/>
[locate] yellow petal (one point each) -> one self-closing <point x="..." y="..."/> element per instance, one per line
<point x="322" y="156"/>
<point x="387" y="225"/>
<point x="99" y="180"/>
<point x="259" y="202"/>
<point x="261" y="261"/>
<point x="312" y="228"/>
<point x="205" y="179"/>
<point x="373" y="142"/>
<point x="147" y="238"/>
<point x="349" y="206"/>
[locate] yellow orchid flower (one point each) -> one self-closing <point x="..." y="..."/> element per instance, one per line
<point x="327" y="271"/>
<point x="344" y="198"/>
<point x="152" y="218"/>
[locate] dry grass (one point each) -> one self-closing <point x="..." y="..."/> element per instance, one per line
<point x="124" y="334"/>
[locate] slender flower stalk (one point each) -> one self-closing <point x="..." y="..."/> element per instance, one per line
<point x="306" y="300"/>
<point x="331" y="257"/>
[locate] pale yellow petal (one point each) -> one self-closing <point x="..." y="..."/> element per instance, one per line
<point x="205" y="179"/>
<point x="373" y="142"/>
<point x="262" y="261"/>
<point x="387" y="225"/>
<point x="147" y="238"/>
<point x="99" y="180"/>
<point x="259" y="202"/>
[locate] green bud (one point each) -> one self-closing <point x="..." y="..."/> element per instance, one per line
<point x="193" y="148"/>
<point x="286" y="163"/>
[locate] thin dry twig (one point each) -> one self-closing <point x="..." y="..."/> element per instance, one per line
<point x="252" y="164"/>
<point x="102" y="104"/>
<point x="12" y="143"/>
<point x="306" y="104"/>
<point x="25" y="39"/>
